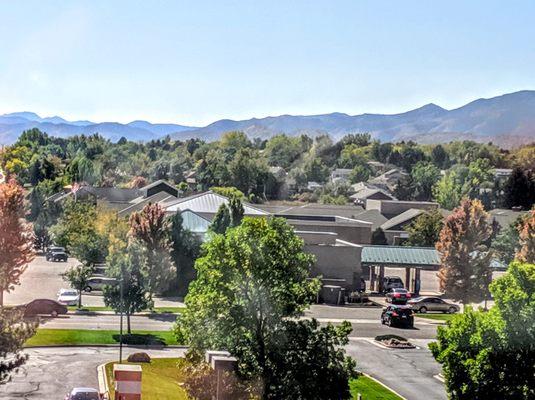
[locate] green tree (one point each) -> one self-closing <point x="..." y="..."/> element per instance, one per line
<point x="236" y="211"/>
<point x="251" y="282"/>
<point x="447" y="192"/>
<point x="221" y="221"/>
<point x="361" y="173"/>
<point x="78" y="278"/>
<point x="507" y="243"/>
<point x="127" y="267"/>
<point x="76" y="230"/>
<point x="424" y="176"/>
<point x="440" y="157"/>
<point x="185" y="249"/>
<point x="465" y="272"/>
<point x="520" y="189"/>
<point x="425" y="229"/>
<point x="489" y="355"/>
<point x="378" y="237"/>
<point x="14" y="332"/>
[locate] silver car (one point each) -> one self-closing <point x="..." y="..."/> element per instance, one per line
<point x="430" y="303"/>
<point x="98" y="283"/>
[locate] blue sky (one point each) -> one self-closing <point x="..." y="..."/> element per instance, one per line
<point x="194" y="62"/>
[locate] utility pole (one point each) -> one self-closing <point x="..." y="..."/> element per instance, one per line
<point x="121" y="319"/>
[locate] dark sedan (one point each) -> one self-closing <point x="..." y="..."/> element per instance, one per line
<point x="44" y="307"/>
<point x="400" y="315"/>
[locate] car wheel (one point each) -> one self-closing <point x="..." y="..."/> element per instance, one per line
<point x="452" y="310"/>
<point x="54" y="314"/>
<point x="423" y="310"/>
<point x="87" y="289"/>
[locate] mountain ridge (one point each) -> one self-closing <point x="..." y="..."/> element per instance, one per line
<point x="508" y="120"/>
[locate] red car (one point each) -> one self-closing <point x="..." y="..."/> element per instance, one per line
<point x="44" y="307"/>
<point x="398" y="296"/>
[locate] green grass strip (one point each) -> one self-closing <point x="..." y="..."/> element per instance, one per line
<point x="57" y="337"/>
<point x="370" y="389"/>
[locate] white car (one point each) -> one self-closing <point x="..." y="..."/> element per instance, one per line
<point x="69" y="297"/>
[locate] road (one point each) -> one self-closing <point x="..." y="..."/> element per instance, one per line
<point x="45" y="377"/>
<point x="365" y="322"/>
<point x="410" y="372"/>
<point x="153" y="322"/>
<point x="42" y="280"/>
<point x="51" y="372"/>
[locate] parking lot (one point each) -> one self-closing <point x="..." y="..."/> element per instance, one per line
<point x="42" y="280"/>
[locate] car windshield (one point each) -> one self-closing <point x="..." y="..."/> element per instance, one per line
<point x="69" y="293"/>
<point x="85" y="396"/>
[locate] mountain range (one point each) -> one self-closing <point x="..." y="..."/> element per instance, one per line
<point x="507" y="120"/>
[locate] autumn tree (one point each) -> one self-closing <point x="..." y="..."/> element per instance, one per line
<point x="527" y="239"/>
<point x="150" y="228"/>
<point x="465" y="272"/>
<point x="16" y="237"/>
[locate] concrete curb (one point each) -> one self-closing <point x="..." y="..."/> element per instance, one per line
<point x="385" y="386"/>
<point x="103" y="386"/>
<point x="431" y="321"/>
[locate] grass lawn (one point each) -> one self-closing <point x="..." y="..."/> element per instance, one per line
<point x="160" y="380"/>
<point x="51" y="337"/>
<point x="437" y="317"/>
<point x="370" y="389"/>
<point x="160" y="310"/>
<point x="162" y="377"/>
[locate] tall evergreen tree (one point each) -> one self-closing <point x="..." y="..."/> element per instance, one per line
<point x="221" y="220"/>
<point x="520" y="189"/>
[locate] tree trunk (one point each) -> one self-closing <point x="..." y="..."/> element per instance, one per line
<point x="1" y="297"/>
<point x="128" y="327"/>
<point x="79" y="299"/>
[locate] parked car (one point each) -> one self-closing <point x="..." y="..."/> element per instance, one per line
<point x="398" y="296"/>
<point x="430" y="303"/>
<point x="53" y="249"/>
<point x="69" y="297"/>
<point x="44" y="307"/>
<point x="400" y="315"/>
<point x="392" y="282"/>
<point x="98" y="283"/>
<point x="84" y="394"/>
<point x="56" y="253"/>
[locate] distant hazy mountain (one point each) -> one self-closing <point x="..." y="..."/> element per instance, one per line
<point x="12" y="125"/>
<point x="506" y="120"/>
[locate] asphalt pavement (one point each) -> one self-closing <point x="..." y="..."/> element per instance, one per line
<point x="42" y="280"/>
<point x="410" y="372"/>
<point x="51" y="373"/>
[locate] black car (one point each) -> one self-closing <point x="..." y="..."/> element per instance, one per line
<point x="400" y="315"/>
<point x="56" y="253"/>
